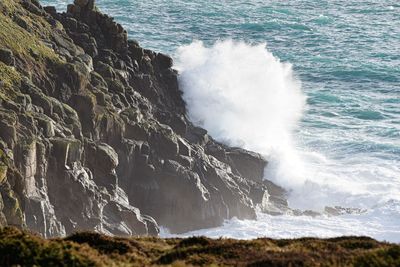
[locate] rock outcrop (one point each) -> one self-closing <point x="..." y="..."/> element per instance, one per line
<point x="94" y="134"/>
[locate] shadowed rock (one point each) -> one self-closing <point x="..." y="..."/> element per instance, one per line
<point x="94" y="134"/>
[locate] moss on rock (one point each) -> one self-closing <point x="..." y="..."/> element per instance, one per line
<point x="12" y="208"/>
<point x="10" y="79"/>
<point x="23" y="43"/>
<point x="3" y="172"/>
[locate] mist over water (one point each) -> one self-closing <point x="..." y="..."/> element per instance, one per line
<point x="321" y="100"/>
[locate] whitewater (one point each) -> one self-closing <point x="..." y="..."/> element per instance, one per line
<point x="313" y="86"/>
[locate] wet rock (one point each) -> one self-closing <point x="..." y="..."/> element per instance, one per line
<point x="310" y="213"/>
<point x="338" y="210"/>
<point x="250" y="165"/>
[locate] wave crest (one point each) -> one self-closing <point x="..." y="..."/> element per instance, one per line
<point x="244" y="96"/>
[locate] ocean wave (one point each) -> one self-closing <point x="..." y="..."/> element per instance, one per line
<point x="380" y="223"/>
<point x="345" y="148"/>
<point x="244" y="96"/>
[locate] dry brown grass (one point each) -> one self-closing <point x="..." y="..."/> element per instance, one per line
<point x="91" y="249"/>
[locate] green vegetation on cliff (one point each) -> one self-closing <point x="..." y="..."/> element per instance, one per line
<point x="9" y="75"/>
<point x="92" y="249"/>
<point x="23" y="34"/>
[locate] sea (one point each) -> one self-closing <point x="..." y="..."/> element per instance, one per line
<point x="313" y="85"/>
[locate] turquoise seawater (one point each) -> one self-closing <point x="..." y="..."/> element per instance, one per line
<point x="346" y="54"/>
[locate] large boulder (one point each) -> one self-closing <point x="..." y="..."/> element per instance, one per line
<point x="106" y="157"/>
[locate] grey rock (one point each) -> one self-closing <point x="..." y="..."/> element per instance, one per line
<point x="106" y="157"/>
<point x="7" y="57"/>
<point x="99" y="140"/>
<point x="250" y="165"/>
<point x="81" y="3"/>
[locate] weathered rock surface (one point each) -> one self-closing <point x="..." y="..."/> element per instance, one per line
<point x="94" y="134"/>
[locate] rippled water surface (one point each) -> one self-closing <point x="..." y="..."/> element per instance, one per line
<point x="347" y="56"/>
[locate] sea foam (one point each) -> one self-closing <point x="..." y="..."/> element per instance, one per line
<point x="246" y="97"/>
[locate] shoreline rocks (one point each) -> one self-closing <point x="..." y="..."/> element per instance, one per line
<point x="94" y="135"/>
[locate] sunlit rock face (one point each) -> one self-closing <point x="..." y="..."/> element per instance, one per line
<point x="94" y="134"/>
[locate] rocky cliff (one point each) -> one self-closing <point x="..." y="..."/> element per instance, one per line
<point x="94" y="134"/>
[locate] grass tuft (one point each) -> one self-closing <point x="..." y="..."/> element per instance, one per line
<point x="19" y="247"/>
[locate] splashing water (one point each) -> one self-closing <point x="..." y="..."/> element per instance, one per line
<point x="246" y="97"/>
<point x="340" y="148"/>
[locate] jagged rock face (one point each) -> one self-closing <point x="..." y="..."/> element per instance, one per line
<point x="94" y="134"/>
